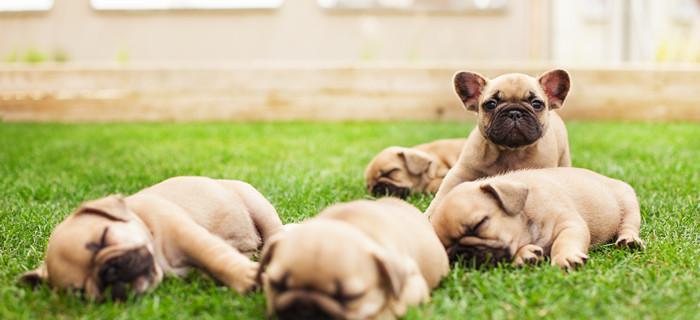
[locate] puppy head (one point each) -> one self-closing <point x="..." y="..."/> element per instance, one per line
<point x="327" y="269"/>
<point x="512" y="109"/>
<point x="482" y="221"/>
<point x="396" y="171"/>
<point x="101" y="249"/>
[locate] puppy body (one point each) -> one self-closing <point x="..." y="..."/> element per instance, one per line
<point x="167" y="228"/>
<point x="357" y="260"/>
<point x="517" y="126"/>
<point x="399" y="171"/>
<point x="525" y="215"/>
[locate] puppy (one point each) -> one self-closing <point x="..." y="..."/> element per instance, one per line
<point x="525" y="215"/>
<point x="357" y="260"/>
<point x="517" y="126"/>
<point x="124" y="245"/>
<point x="399" y="171"/>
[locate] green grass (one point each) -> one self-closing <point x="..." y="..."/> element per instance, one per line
<point x="46" y="170"/>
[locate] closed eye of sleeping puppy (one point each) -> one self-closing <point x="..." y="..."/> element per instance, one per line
<point x="115" y="246"/>
<point x="358" y="260"/>
<point x="523" y="216"/>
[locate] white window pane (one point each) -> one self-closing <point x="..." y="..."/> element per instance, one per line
<point x="25" y="5"/>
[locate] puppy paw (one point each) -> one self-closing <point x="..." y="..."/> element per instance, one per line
<point x="570" y="261"/>
<point x="244" y="280"/>
<point x="528" y="255"/>
<point x="630" y="241"/>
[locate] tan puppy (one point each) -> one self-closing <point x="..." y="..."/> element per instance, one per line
<point x="525" y="215"/>
<point x="357" y="260"/>
<point x="399" y="171"/>
<point x="126" y="244"/>
<point x="517" y="127"/>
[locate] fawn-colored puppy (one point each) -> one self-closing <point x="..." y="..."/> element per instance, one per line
<point x="357" y="260"/>
<point x="523" y="216"/>
<point x="517" y="126"/>
<point x="399" y="171"/>
<point x="126" y="244"/>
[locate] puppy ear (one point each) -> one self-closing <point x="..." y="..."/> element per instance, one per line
<point x="556" y="85"/>
<point x="266" y="254"/>
<point x="112" y="207"/>
<point x="468" y="86"/>
<point x="416" y="161"/>
<point x="390" y="272"/>
<point x="35" y="277"/>
<point x="511" y="196"/>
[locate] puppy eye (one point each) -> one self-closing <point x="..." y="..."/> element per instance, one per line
<point x="490" y="105"/>
<point x="537" y="104"/>
<point x="480" y="224"/>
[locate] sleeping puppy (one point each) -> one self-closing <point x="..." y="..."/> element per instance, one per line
<point x="525" y="215"/>
<point x="517" y="127"/>
<point x="357" y="260"/>
<point x="399" y="171"/>
<point x="126" y="244"/>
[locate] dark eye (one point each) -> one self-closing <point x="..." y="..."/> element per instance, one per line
<point x="490" y="105"/>
<point x="537" y="104"/>
<point x="279" y="285"/>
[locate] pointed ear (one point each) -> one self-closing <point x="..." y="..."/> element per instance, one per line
<point x="511" y="196"/>
<point x="417" y="162"/>
<point x="35" y="277"/>
<point x="556" y="85"/>
<point x="468" y="86"/>
<point x="390" y="271"/>
<point x="112" y="207"/>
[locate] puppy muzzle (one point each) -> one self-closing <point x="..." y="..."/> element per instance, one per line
<point x="121" y="273"/>
<point x="387" y="189"/>
<point x="514" y="126"/>
<point x="479" y="255"/>
<point x="306" y="304"/>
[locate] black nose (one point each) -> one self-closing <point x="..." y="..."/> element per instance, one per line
<point x="303" y="310"/>
<point x="117" y="273"/>
<point x="385" y="189"/>
<point x="515" y="114"/>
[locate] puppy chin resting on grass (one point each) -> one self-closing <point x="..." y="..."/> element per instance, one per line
<point x="115" y="246"/>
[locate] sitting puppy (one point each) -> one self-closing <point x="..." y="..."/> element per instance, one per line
<point x="357" y="260"/>
<point x="120" y="244"/>
<point x="525" y="215"/>
<point x="517" y="126"/>
<point x="399" y="171"/>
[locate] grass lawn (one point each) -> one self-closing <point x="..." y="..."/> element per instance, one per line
<point x="47" y="170"/>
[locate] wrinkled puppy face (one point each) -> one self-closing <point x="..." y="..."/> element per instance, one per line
<point x="325" y="269"/>
<point x="481" y="222"/>
<point x="513" y="109"/>
<point x="103" y="250"/>
<point x="397" y="171"/>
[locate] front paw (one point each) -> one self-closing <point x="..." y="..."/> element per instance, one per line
<point x="570" y="260"/>
<point x="244" y="278"/>
<point x="630" y="241"/>
<point x="528" y="255"/>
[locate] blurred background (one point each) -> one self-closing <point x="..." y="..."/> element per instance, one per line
<point x="191" y="60"/>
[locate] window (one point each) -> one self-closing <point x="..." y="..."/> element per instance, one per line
<point x="25" y="5"/>
<point x="183" y="4"/>
<point x="416" y="5"/>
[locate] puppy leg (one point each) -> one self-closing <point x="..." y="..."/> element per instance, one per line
<point x="628" y="234"/>
<point x="571" y="245"/>
<point x="262" y="212"/>
<point x="213" y="254"/>
<point x="528" y="254"/>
